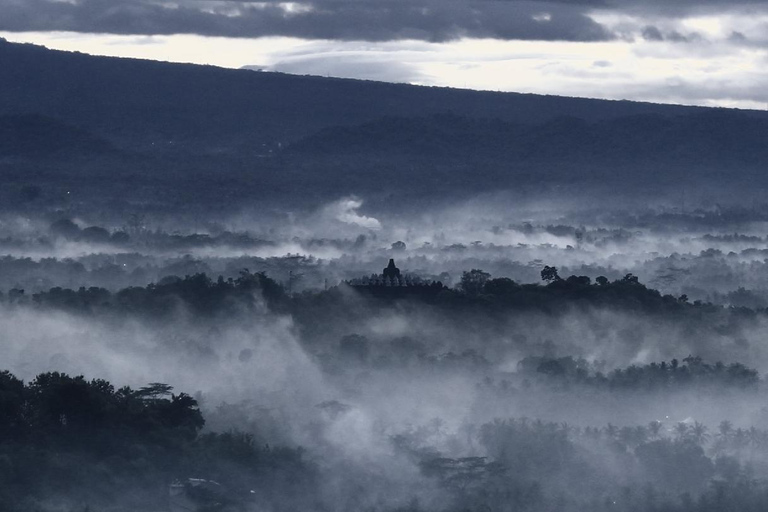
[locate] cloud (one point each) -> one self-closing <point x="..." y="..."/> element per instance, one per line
<point x="651" y="33"/>
<point x="345" y="210"/>
<point x="383" y="20"/>
<point x="379" y="65"/>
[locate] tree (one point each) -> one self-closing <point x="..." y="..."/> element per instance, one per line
<point x="654" y="429"/>
<point x="725" y="430"/>
<point x="500" y="286"/>
<point x="754" y="437"/>
<point x="630" y="279"/>
<point x="681" y="429"/>
<point x="579" y="280"/>
<point x="549" y="274"/>
<point x="472" y="282"/>
<point x="699" y="433"/>
<point x="154" y="391"/>
<point x="11" y="403"/>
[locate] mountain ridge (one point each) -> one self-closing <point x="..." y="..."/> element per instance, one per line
<point x="184" y="136"/>
<point x="229" y="108"/>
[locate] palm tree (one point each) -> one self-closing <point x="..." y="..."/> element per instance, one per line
<point x="565" y="430"/>
<point x="723" y="436"/>
<point x="699" y="433"/>
<point x="592" y="432"/>
<point x="754" y="437"/>
<point x="725" y="430"/>
<point x="681" y="429"/>
<point x="740" y="439"/>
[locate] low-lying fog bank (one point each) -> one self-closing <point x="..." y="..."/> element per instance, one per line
<point x="629" y="377"/>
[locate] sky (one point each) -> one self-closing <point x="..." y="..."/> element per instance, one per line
<point x="700" y="53"/>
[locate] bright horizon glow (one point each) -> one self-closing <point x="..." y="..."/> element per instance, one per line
<point x="660" y="72"/>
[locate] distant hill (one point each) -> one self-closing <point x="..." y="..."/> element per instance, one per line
<point x="140" y="102"/>
<point x="176" y="136"/>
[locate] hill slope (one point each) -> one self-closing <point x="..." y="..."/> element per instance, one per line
<point x="146" y="101"/>
<point x="188" y="137"/>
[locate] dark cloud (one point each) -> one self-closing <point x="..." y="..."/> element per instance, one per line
<point x="369" y="20"/>
<point x="429" y="20"/>
<point x="651" y="33"/>
<point x="677" y="37"/>
<point x="682" y="8"/>
<point x="737" y="37"/>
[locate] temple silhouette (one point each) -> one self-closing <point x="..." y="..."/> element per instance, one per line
<point x="392" y="282"/>
<point x="391" y="272"/>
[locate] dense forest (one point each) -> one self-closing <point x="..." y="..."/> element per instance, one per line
<point x="93" y="447"/>
<point x="83" y="443"/>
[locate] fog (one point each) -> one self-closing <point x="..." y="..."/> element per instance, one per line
<point x="710" y="252"/>
<point x="480" y="384"/>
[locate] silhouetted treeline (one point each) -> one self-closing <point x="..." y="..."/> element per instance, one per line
<point x="197" y="294"/>
<point x="479" y="296"/>
<point x="693" y="372"/>
<point x="477" y="292"/>
<point x="574" y="292"/>
<point x="69" y="443"/>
